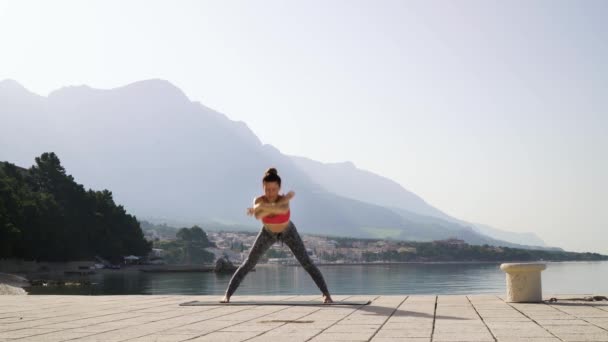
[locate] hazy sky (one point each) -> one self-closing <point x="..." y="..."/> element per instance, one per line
<point x="494" y="112"/>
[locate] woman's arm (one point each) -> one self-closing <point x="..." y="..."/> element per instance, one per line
<point x="286" y="198"/>
<point x="262" y="209"/>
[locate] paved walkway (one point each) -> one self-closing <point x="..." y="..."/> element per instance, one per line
<point x="388" y="318"/>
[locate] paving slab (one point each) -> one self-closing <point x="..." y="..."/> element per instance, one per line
<point x="484" y="318"/>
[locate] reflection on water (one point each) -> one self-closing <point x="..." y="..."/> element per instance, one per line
<point x="440" y="278"/>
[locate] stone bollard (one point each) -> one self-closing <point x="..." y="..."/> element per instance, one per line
<point x="523" y="282"/>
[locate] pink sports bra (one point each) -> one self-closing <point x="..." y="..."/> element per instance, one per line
<point x="276" y="219"/>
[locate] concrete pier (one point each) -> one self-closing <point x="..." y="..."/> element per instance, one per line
<point x="388" y="318"/>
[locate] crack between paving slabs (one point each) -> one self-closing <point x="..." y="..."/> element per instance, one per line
<point x="530" y="318"/>
<point x="164" y="318"/>
<point x="582" y="319"/>
<point x="434" y="318"/>
<point x="481" y="318"/>
<point x="207" y="319"/>
<point x="600" y="307"/>
<point x="38" y="319"/>
<point x="389" y="317"/>
<point x="341" y="319"/>
<point x="278" y="326"/>
<point x="71" y="320"/>
<point x="63" y="305"/>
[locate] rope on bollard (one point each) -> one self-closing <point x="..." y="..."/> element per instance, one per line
<point x="584" y="299"/>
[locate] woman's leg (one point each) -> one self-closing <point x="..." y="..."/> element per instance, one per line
<point x="293" y="240"/>
<point x="260" y="246"/>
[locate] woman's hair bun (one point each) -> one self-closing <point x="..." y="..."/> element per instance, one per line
<point x="271" y="175"/>
<point x="271" y="171"/>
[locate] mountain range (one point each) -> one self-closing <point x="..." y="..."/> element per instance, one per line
<point x="169" y="159"/>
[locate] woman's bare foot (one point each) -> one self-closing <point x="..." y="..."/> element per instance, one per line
<point x="226" y="299"/>
<point x="327" y="299"/>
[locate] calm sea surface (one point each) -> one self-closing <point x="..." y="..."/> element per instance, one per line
<point x="441" y="278"/>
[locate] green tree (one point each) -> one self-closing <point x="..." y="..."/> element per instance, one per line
<point x="184" y="234"/>
<point x="45" y="215"/>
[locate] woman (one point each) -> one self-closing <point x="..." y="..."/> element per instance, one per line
<point x="273" y="210"/>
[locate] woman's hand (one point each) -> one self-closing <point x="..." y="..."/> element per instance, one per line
<point x="250" y="211"/>
<point x="286" y="198"/>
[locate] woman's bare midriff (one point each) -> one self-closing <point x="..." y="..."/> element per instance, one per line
<point x="276" y="227"/>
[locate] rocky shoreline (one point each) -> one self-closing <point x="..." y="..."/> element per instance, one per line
<point x="11" y="284"/>
<point x="61" y="274"/>
<point x="11" y="290"/>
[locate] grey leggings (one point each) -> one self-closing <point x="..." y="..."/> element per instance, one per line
<point x="263" y="242"/>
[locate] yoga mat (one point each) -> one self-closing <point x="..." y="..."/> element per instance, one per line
<point x="275" y="302"/>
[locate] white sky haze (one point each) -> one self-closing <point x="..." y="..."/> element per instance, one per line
<point x="495" y="112"/>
